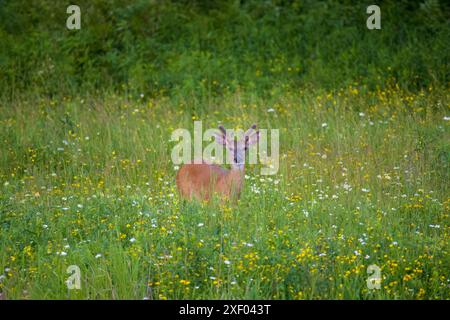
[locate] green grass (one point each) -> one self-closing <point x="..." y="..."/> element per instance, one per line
<point x="91" y="176"/>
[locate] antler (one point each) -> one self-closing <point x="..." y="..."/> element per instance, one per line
<point x="223" y="130"/>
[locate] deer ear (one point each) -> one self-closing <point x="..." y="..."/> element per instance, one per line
<point x="252" y="139"/>
<point x="221" y="136"/>
<point x="250" y="131"/>
<point x="220" y="139"/>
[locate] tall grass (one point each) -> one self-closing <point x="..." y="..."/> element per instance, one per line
<point x="363" y="180"/>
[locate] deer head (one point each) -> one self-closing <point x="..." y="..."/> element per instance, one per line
<point x="237" y="144"/>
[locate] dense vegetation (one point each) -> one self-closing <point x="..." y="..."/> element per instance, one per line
<point x="206" y="48"/>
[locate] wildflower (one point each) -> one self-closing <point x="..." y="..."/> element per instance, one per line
<point x="407" y="277"/>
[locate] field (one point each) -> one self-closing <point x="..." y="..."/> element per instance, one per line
<point x="86" y="177"/>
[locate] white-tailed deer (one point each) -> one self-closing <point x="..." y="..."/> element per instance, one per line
<point x="201" y="181"/>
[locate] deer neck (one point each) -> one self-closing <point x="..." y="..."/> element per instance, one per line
<point x="235" y="176"/>
<point x="238" y="168"/>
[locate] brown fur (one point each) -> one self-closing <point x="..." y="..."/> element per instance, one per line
<point x="201" y="181"/>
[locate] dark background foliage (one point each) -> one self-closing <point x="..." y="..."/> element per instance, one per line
<point x="208" y="48"/>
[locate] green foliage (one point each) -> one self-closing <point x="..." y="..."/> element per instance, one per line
<point x="207" y="48"/>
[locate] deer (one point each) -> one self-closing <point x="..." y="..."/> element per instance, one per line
<point x="201" y="181"/>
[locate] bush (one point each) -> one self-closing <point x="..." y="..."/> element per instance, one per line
<point x="204" y="48"/>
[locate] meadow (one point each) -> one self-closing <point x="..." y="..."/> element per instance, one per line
<point x="86" y="177"/>
<point x="90" y="183"/>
